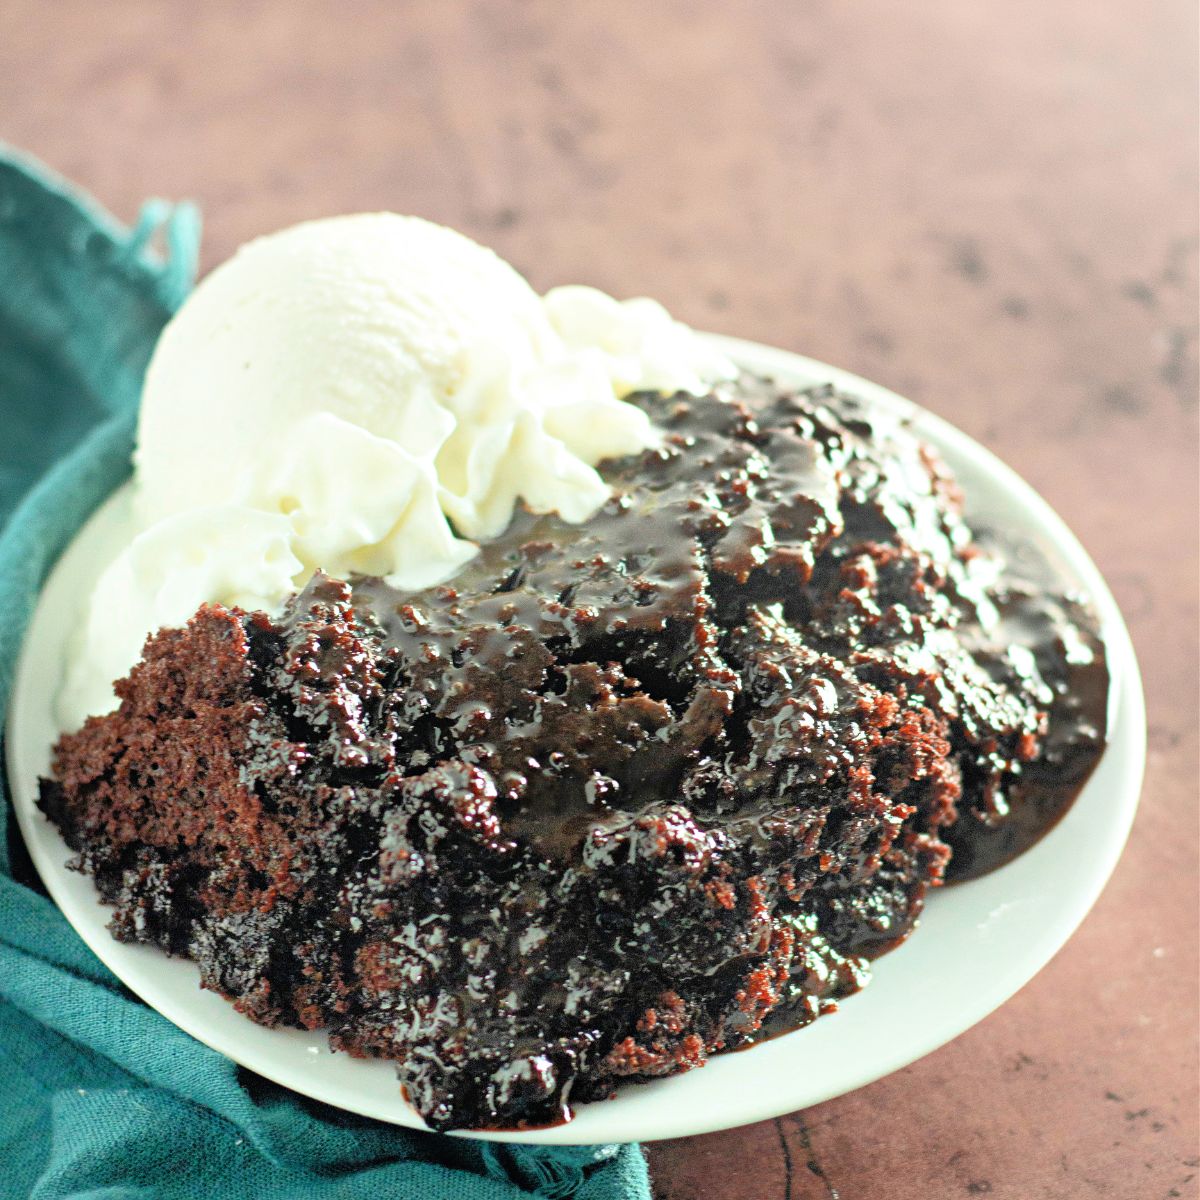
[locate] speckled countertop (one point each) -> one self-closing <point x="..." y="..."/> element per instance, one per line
<point x="990" y="208"/>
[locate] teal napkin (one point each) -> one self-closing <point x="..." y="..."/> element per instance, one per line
<point x="99" y="1095"/>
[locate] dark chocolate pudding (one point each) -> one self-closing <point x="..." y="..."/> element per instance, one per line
<point x="624" y="794"/>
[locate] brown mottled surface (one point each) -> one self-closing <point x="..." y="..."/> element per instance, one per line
<point x="988" y="207"/>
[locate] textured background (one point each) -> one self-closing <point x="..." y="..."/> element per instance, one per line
<point x="990" y="208"/>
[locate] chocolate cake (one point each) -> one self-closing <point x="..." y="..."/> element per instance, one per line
<point x="622" y="794"/>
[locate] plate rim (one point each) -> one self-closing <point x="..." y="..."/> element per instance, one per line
<point x="1127" y="707"/>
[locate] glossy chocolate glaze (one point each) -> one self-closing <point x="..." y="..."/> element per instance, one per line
<point x="623" y="794"/>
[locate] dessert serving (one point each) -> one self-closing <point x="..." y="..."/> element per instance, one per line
<point x="521" y="692"/>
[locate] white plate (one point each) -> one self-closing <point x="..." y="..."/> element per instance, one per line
<point x="978" y="942"/>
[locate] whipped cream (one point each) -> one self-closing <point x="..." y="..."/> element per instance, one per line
<point x="369" y="394"/>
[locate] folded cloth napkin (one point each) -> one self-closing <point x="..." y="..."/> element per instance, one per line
<point x="99" y="1095"/>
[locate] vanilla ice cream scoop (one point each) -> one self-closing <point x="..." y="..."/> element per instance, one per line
<point x="369" y="394"/>
<point x="371" y="319"/>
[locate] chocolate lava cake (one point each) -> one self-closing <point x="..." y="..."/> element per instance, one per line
<point x="620" y="795"/>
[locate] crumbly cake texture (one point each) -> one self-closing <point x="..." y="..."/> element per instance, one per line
<point x="622" y="795"/>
